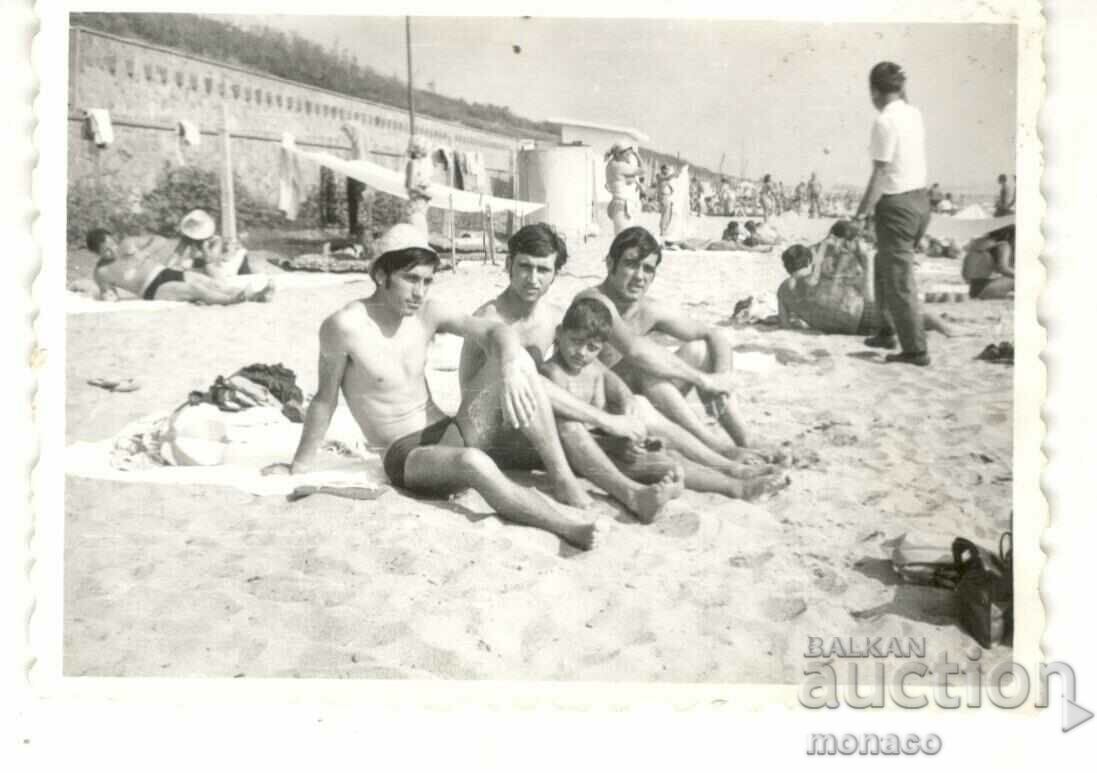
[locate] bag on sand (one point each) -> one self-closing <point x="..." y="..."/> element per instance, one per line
<point x="925" y="560"/>
<point x="984" y="595"/>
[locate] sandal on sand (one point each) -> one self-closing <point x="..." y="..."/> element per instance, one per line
<point x="112" y="385"/>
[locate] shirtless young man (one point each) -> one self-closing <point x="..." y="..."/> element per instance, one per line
<point x="128" y="267"/>
<point x="703" y="362"/>
<point x="374" y="350"/>
<point x="535" y="255"/>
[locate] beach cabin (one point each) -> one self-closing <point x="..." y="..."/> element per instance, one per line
<point x="569" y="179"/>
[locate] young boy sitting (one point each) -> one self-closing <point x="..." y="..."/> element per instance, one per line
<point x="574" y="366"/>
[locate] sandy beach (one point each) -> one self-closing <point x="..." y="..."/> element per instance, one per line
<point x="165" y="580"/>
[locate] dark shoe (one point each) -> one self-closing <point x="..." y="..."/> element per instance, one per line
<point x="881" y="342"/>
<point x="909" y="358"/>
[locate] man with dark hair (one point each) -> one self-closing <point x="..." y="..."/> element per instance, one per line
<point x="896" y="194"/>
<point x="374" y="351"/>
<point x="531" y="267"/>
<point x="136" y="271"/>
<point x="989" y="264"/>
<point x="703" y="362"/>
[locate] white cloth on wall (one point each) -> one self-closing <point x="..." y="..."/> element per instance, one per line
<point x="99" y="124"/>
<point x="186" y="133"/>
<point x="291" y="184"/>
<point x="393" y="182"/>
<point x="359" y="142"/>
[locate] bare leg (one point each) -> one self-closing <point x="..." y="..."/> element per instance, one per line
<point x="591" y="461"/>
<point x="447" y="469"/>
<point x="932" y="322"/>
<point x="697" y="477"/>
<point x="196" y="293"/>
<point x="724" y="408"/>
<point x="689" y="446"/>
<point x="483" y="426"/>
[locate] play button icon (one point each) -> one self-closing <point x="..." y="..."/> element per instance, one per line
<point x="1074" y="715"/>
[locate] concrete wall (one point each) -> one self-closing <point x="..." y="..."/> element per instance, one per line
<point x="149" y="89"/>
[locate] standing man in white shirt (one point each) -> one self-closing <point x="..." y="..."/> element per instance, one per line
<point x="897" y="196"/>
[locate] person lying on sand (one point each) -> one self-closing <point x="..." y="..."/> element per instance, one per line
<point x="826" y="290"/>
<point x="536" y="253"/>
<point x="702" y="362"/>
<point x="989" y="264"/>
<point x="199" y="248"/>
<point x="574" y="366"/>
<point x="127" y="267"/>
<point x="374" y="350"/>
<point x="731" y="241"/>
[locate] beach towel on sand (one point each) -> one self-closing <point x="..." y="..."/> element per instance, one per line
<point x="249" y="441"/>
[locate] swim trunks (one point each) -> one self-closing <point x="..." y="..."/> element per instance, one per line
<point x="397" y="454"/>
<point x="619" y="206"/>
<point x="166" y="275"/>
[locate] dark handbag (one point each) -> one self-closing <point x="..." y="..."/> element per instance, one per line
<point x="984" y="594"/>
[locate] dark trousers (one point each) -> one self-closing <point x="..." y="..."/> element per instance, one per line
<point x="354" y="196"/>
<point x="901" y="220"/>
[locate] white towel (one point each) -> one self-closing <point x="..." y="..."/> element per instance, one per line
<point x="186" y="133"/>
<point x="102" y="132"/>
<point x="290" y="182"/>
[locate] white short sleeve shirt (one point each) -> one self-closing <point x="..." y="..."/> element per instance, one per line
<point x="899" y="140"/>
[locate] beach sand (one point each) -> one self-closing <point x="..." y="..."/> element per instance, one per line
<point x="206" y="581"/>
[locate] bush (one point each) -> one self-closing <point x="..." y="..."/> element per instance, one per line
<point x="180" y="189"/>
<point x="102" y="205"/>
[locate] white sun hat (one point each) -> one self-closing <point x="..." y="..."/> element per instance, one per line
<point x="401" y="236"/>
<point x="197" y="225"/>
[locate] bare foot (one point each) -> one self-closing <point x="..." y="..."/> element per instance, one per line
<point x="740" y="470"/>
<point x="751" y="456"/>
<point x="764" y="488"/>
<point x="266" y="295"/>
<point x="648" y="501"/>
<point x="571" y="492"/>
<point x="587" y="536"/>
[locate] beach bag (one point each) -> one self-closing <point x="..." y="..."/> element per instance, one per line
<point x="923" y="560"/>
<point x="984" y="594"/>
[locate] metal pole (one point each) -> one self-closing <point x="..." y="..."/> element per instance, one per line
<point x="411" y="92"/>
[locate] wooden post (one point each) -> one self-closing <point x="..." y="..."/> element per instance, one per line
<point x="491" y="235"/>
<point x="513" y="221"/>
<point x="452" y="235"/>
<point x="228" y="195"/>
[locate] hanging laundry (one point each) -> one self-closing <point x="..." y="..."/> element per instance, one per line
<point x="479" y="172"/>
<point x="99" y="126"/>
<point x="290" y="180"/>
<point x="186" y="134"/>
<point x="461" y="177"/>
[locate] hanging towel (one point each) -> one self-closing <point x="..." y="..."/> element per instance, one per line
<point x="186" y="134"/>
<point x="99" y="125"/>
<point x="394" y="183"/>
<point x="478" y="170"/>
<point x="359" y="142"/>
<point x="460" y="170"/>
<point x="290" y="181"/>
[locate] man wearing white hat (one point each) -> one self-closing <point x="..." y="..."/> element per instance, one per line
<point x="374" y="351"/>
<point x="623" y="168"/>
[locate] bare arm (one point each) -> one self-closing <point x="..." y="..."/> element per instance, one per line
<point x="648" y="355"/>
<point x="567" y="406"/>
<point x="520" y="380"/>
<point x="618" y="395"/>
<point x="1002" y="254"/>
<point x="106" y="287"/>
<point x="872" y="190"/>
<point x="673" y="322"/>
<point x="332" y="366"/>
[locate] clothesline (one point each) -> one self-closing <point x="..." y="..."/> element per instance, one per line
<point x="392" y="182"/>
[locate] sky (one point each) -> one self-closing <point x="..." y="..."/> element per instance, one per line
<point x="764" y="97"/>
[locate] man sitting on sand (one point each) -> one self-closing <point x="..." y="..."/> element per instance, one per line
<point x="374" y="350"/>
<point x="128" y="267"/>
<point x="703" y="362"/>
<point x="827" y="288"/>
<point x="989" y="264"/>
<point x="536" y="253"/>
<point x="574" y="366"/>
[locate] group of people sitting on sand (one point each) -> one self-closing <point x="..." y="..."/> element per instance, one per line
<point x="588" y="393"/>
<point x="197" y="267"/>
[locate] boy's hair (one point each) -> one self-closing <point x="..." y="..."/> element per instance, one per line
<point x="796" y="257"/>
<point x="634" y="236"/>
<point x="589" y="318"/>
<point x="399" y="260"/>
<point x="843" y="229"/>
<point x="751" y="226"/>
<point x="538" y="240"/>
<point x="96" y="237"/>
<point x="887" y="78"/>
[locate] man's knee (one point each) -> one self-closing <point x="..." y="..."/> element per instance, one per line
<point x="473" y="464"/>
<point x="697" y="354"/>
